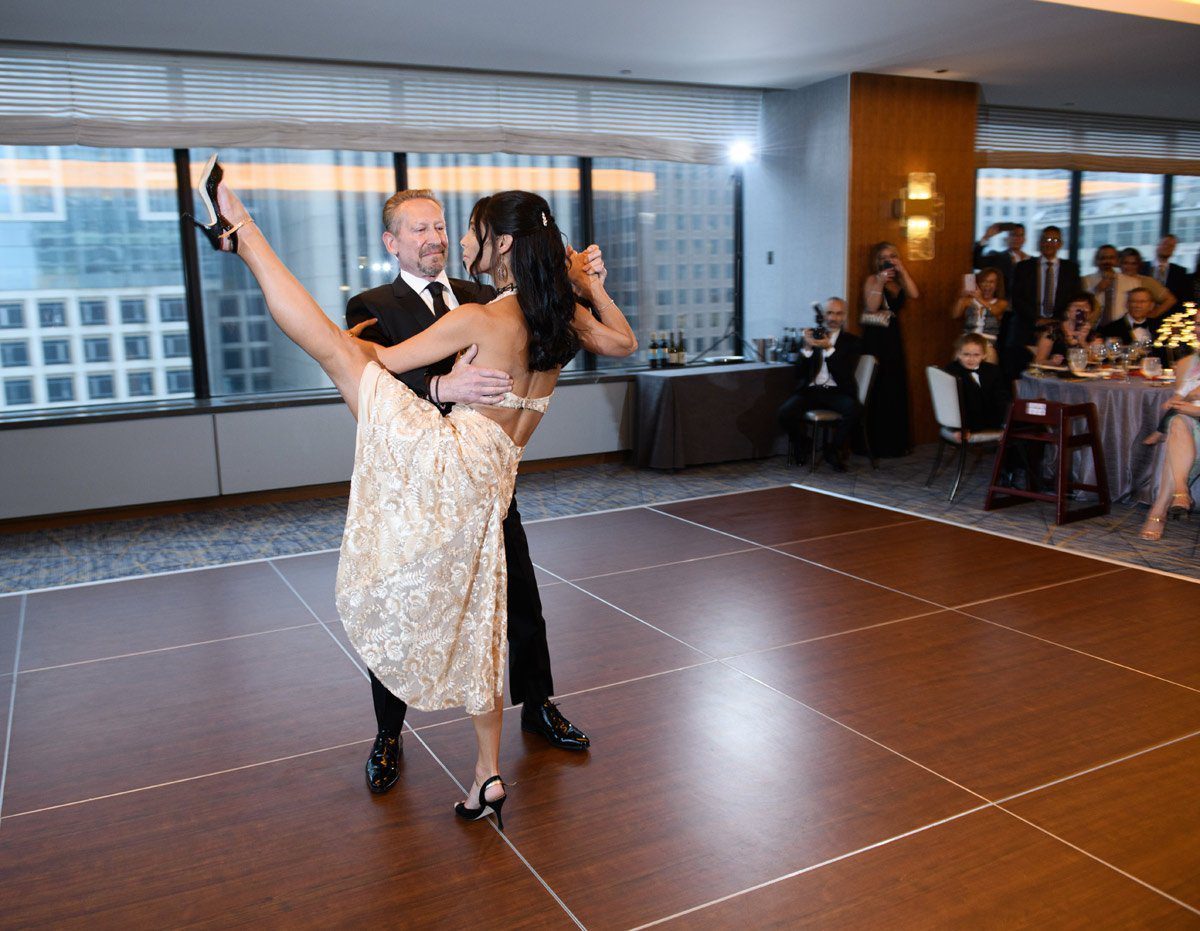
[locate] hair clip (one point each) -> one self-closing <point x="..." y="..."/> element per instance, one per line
<point x="545" y="219"/>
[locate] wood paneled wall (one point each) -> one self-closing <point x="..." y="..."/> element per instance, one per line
<point x="898" y="125"/>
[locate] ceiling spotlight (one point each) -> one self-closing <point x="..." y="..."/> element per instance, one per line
<point x="741" y="152"/>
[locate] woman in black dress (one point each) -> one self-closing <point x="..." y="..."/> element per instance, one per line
<point x="884" y="294"/>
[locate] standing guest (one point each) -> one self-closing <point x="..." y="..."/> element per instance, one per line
<point x="885" y="291"/>
<point x="826" y="381"/>
<point x="1137" y="324"/>
<point x="1077" y="329"/>
<point x="982" y="309"/>
<point x="1131" y="264"/>
<point x="1110" y="285"/>
<point x="1173" y="277"/>
<point x="1006" y="260"/>
<point x="1042" y="288"/>
<point x="982" y="387"/>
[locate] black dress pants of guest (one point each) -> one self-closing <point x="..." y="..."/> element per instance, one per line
<point x="812" y="398"/>
<point x="529" y="677"/>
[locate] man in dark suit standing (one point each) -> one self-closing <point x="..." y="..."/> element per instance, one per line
<point x="415" y="233"/>
<point x="1174" y="278"/>
<point x="1007" y="260"/>
<point x="1042" y="288"/>
<point x="826" y="381"/>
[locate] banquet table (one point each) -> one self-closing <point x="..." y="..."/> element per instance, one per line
<point x="710" y="413"/>
<point x="1127" y="412"/>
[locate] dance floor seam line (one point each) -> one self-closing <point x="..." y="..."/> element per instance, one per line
<point x="1100" y="860"/>
<point x="184" y="779"/>
<point x="317" y="617"/>
<point x="661" y="565"/>
<point x="1055" y="643"/>
<point x="1036" y="588"/>
<point x="12" y="702"/>
<point x="177" y="646"/>
<point x="1099" y="766"/>
<point x="837" y="633"/>
<point x="634" y="507"/>
<point x="920" y="829"/>
<point x="841" y="533"/>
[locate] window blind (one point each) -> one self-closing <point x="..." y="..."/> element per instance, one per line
<point x="1012" y="137"/>
<point x="63" y="96"/>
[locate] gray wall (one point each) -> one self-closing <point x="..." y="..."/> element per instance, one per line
<point x="797" y="195"/>
<point x="79" y="467"/>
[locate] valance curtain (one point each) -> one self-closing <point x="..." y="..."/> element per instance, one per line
<point x="1012" y="137"/>
<point x="66" y="96"/>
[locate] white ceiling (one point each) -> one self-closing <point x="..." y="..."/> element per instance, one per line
<point x="1022" y="52"/>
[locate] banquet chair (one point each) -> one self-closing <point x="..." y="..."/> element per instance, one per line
<point x="947" y="411"/>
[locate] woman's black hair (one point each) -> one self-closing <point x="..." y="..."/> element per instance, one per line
<point x="538" y="262"/>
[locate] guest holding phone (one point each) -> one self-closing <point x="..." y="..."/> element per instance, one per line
<point x="981" y="307"/>
<point x="885" y="292"/>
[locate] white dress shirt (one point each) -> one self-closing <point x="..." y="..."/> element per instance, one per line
<point x="421" y="286"/>
<point x="1124" y="284"/>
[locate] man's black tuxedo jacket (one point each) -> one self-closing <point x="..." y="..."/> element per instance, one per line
<point x="1179" y="282"/>
<point x="1025" y="305"/>
<point x="985" y="406"/>
<point x="843" y="364"/>
<point x="1120" y="329"/>
<point x="402" y="313"/>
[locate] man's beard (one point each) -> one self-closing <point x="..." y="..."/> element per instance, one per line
<point x="431" y="265"/>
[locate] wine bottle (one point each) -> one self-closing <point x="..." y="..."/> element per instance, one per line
<point x="652" y="354"/>
<point x="682" y="347"/>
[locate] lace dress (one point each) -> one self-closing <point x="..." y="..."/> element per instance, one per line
<point x="422" y="584"/>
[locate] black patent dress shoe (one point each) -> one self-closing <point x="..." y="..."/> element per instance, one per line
<point x="545" y="719"/>
<point x="383" y="765"/>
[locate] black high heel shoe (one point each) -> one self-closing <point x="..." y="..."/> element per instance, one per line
<point x="218" y="230"/>
<point x="485" y="807"/>
<point x="1181" y="506"/>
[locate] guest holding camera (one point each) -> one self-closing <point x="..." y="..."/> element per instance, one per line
<point x="1076" y="329"/>
<point x="981" y="309"/>
<point x="885" y="292"/>
<point x="1007" y="260"/>
<point x="826" y="381"/>
<point x="982" y="387"/>
<point x="1181" y="463"/>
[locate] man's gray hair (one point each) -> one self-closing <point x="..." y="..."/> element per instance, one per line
<point x="399" y="199"/>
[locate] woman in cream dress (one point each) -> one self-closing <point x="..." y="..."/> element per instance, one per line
<point x="421" y="581"/>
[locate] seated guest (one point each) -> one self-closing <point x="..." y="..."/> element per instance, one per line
<point x="1181" y="461"/>
<point x="826" y="381"/>
<point x="1110" y="285"/>
<point x="982" y="387"/>
<point x="1076" y="329"/>
<point x="1007" y="260"/>
<point x="1131" y="264"/>
<point x="1137" y="324"/>
<point x="1174" y="278"/>
<point x="981" y="309"/>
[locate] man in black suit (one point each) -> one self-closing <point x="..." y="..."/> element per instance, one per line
<point x="826" y="378"/>
<point x="1042" y="288"/>
<point x="1174" y="278"/>
<point x="1007" y="260"/>
<point x="415" y="233"/>
<point x="1137" y="324"/>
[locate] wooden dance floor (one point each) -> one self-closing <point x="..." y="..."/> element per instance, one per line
<point x="805" y="712"/>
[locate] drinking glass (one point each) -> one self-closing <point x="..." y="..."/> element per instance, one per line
<point x="1152" y="366"/>
<point x="1077" y="359"/>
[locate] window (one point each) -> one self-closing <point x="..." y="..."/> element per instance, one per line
<point x="56" y="352"/>
<point x="1134" y="201"/>
<point x="97" y="349"/>
<point x="231" y="358"/>
<point x="175" y="346"/>
<point x="172" y="310"/>
<point x="179" y="381"/>
<point x="12" y="316"/>
<point x="93" y="313"/>
<point x="95" y="244"/>
<point x="52" y="314"/>
<point x="1185" y="220"/>
<point x="1041" y="197"/>
<point x="141" y="384"/>
<point x="137" y="347"/>
<point x="14" y="353"/>
<point x="100" y="387"/>
<point x="260" y="357"/>
<point x="133" y="311"/>
<point x="323" y="210"/>
<point x="18" y="391"/>
<point x="60" y="389"/>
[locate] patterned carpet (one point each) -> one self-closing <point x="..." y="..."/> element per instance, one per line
<point x="118" y="549"/>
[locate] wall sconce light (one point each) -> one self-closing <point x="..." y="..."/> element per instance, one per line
<point x="921" y="212"/>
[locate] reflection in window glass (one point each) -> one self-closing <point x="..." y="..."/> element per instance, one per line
<point x="1035" y="197"/>
<point x="79" y="246"/>
<point x="1185" y="221"/>
<point x="632" y="198"/>
<point x="460" y="180"/>
<point x="1118" y="208"/>
<point x="321" y="210"/>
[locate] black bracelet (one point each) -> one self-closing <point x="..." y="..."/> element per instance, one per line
<point x="434" y="389"/>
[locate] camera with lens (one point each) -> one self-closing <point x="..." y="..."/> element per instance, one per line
<point x="819" y="331"/>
